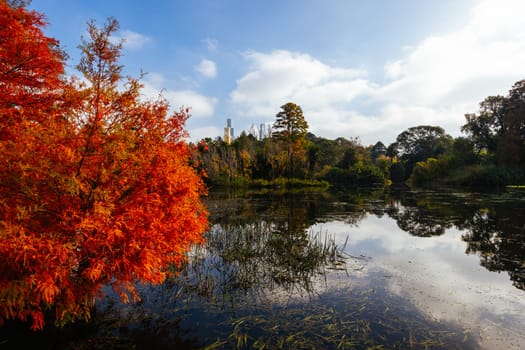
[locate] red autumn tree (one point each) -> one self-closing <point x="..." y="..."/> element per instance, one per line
<point x="95" y="183"/>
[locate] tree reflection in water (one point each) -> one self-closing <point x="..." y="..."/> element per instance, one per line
<point x="261" y="278"/>
<point x="497" y="234"/>
<point x="494" y="224"/>
<point x="260" y="257"/>
<point x="256" y="285"/>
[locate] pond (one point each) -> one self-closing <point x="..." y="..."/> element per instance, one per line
<point x="330" y="270"/>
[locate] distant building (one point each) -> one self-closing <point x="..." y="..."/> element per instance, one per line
<point x="262" y="131"/>
<point x="228" y="132"/>
<point x="254" y="131"/>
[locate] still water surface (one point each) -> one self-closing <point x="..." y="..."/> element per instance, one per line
<point x="348" y="270"/>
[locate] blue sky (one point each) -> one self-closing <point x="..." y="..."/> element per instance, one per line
<point x="367" y="69"/>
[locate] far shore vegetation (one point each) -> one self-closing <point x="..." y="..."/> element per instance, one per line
<point x="491" y="154"/>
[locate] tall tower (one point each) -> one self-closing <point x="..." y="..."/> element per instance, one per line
<point x="228" y="131"/>
<point x="262" y="131"/>
<point x="253" y="131"/>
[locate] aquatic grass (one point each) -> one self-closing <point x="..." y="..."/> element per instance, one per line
<point x="520" y="187"/>
<point x="288" y="183"/>
<point x="260" y="258"/>
<point x="361" y="319"/>
<point x="264" y="264"/>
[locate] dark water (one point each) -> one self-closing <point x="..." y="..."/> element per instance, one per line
<point x="360" y="270"/>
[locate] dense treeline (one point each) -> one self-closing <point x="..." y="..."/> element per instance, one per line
<point x="492" y="153"/>
<point x="290" y="153"/>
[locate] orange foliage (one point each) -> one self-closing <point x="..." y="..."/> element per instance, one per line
<point x="95" y="184"/>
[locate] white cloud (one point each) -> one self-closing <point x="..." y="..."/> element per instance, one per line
<point x="436" y="82"/>
<point x="132" y="40"/>
<point x="463" y="296"/>
<point x="200" y="106"/>
<point x="393" y="69"/>
<point x="283" y="76"/>
<point x="207" y="68"/>
<point x="198" y="133"/>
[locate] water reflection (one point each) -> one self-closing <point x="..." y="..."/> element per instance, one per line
<point x="261" y="257"/>
<point x="497" y="235"/>
<point x="431" y="268"/>
<point x="493" y="225"/>
<point x="332" y="270"/>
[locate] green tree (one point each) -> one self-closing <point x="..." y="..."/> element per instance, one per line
<point x="463" y="152"/>
<point x="499" y="126"/>
<point x="313" y="151"/>
<point x="486" y="128"/>
<point x="290" y="127"/>
<point x="420" y="143"/>
<point x="290" y="124"/>
<point x="349" y="158"/>
<point x="397" y="172"/>
<point x="511" y="146"/>
<point x="245" y="146"/>
<point x="331" y="152"/>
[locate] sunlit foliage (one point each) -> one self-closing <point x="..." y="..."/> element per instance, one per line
<point x="95" y="183"/>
